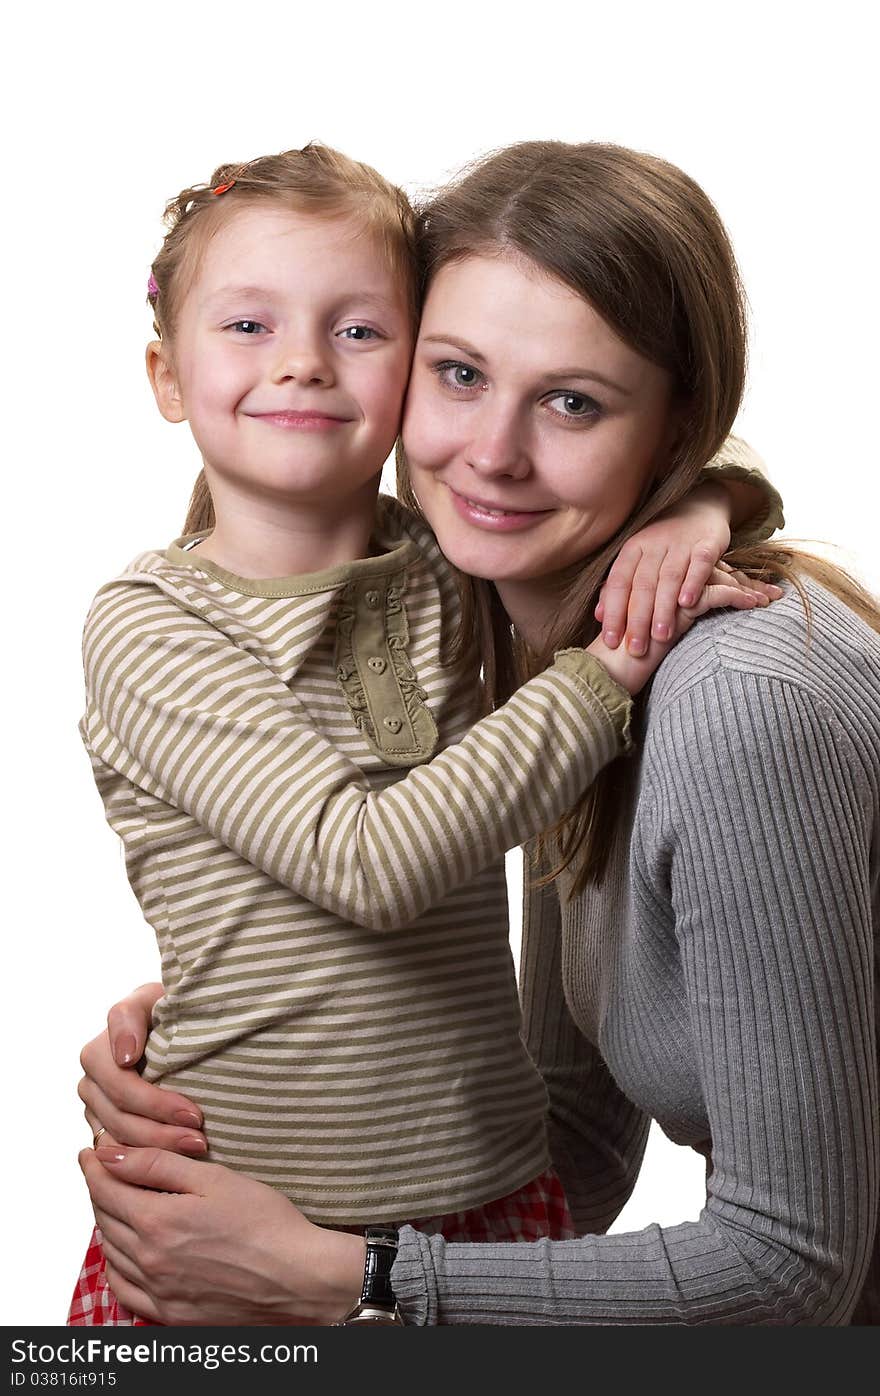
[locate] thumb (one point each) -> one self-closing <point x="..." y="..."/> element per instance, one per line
<point x="128" y="1023"/>
<point x="157" y="1169"/>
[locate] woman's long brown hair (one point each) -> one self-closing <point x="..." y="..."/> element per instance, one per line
<point x="643" y="244"/>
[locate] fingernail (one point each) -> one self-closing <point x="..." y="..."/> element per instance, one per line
<point x="189" y="1118"/>
<point x="126" y="1049"/>
<point x="687" y="598"/>
<point x="660" y="630"/>
<point x="192" y="1145"/>
<point x="611" y="638"/>
<point x="109" y="1155"/>
<point x="777" y="591"/>
<point x="636" y="647"/>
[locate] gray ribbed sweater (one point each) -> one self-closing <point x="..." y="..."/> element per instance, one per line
<point x="722" y="982"/>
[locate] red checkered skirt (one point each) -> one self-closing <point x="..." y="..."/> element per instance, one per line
<point x="532" y="1213"/>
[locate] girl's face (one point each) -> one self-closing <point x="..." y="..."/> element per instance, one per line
<point x="290" y="357"/>
<point x="531" y="430"/>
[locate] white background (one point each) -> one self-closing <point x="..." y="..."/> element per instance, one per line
<point x="111" y="110"/>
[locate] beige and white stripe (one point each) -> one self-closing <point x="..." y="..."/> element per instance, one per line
<point x="340" y="993"/>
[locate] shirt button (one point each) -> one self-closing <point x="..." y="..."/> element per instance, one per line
<point x="393" y="724"/>
<point x="377" y="665"/>
<point x="372" y="599"/>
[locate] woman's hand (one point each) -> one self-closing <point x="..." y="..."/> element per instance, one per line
<point x="194" y="1243"/>
<point x="131" y="1110"/>
<point x="665" y="565"/>
<point x="725" y="587"/>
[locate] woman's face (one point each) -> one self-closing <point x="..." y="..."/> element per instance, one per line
<point x="531" y="430"/>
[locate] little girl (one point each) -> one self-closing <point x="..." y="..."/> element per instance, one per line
<point x="339" y="991"/>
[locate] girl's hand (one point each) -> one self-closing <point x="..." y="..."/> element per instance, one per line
<point x="133" y="1111"/>
<point x="725" y="588"/>
<point x="194" y="1243"/>
<point x="665" y="565"/>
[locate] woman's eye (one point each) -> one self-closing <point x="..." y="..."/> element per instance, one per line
<point x="574" y="405"/>
<point x="458" y="375"/>
<point x="358" y="333"/>
<point x="248" y="327"/>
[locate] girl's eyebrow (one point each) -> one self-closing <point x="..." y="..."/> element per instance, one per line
<point x="264" y="293"/>
<point x="550" y="377"/>
<point x="225" y="292"/>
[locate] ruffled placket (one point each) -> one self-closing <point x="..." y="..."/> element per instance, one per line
<point x="381" y="687"/>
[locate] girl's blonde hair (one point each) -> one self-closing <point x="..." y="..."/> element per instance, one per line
<point x="644" y="245"/>
<point x="315" y="179"/>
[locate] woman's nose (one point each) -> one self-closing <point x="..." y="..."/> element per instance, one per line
<point x="497" y="447"/>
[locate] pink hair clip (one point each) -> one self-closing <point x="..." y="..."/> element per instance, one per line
<point x="222" y="188"/>
<point x="152" y="286"/>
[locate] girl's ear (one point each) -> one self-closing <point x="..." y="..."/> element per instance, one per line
<point x="163" y="381"/>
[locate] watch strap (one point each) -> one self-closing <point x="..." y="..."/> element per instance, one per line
<point x="377" y="1303"/>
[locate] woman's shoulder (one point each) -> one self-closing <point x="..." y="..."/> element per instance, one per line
<point x="823" y="649"/>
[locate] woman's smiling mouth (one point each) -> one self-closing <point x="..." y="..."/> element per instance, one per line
<point x="492" y="516"/>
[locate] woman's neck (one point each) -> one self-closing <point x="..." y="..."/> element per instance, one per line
<point x="532" y="607"/>
<point x="259" y="538"/>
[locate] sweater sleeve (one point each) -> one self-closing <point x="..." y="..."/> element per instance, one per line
<point x="177" y="708"/>
<point x="735" y="460"/>
<point x="597" y="1136"/>
<point x="768" y="813"/>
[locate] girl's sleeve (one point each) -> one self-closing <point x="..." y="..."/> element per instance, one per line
<point x="737" y="461"/>
<point x="597" y="1136"/>
<point x="176" y="708"/>
<point x="769" y="821"/>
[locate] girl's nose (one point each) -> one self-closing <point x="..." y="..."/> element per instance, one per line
<point x="304" y="360"/>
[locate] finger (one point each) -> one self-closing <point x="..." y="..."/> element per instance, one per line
<point x="640" y="611"/>
<point x="672" y="569"/>
<point x="721" y="594"/>
<point x="128" y="1023"/>
<point x="122" y="1263"/>
<point x="768" y="589"/>
<point x="135" y="1129"/>
<point x="100" y="1133"/>
<point x="702" y="561"/>
<point x="599" y="609"/>
<point x="118" y="1234"/>
<point x="157" y="1169"/>
<point x="615" y="594"/>
<point x="129" y="1092"/>
<point x="131" y="1295"/>
<point x="110" y="1196"/>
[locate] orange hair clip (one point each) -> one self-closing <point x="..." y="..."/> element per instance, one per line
<point x="222" y="188"/>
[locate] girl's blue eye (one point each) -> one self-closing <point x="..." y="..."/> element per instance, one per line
<point x="458" y="375"/>
<point x="358" y="333"/>
<point x="247" y="326"/>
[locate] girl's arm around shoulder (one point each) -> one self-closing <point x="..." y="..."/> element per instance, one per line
<point x="180" y="710"/>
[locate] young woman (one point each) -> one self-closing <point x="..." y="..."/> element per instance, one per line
<point x="706" y="955"/>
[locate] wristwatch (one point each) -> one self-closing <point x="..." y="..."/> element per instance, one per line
<point x="377" y="1303"/>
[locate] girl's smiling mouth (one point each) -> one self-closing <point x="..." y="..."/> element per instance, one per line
<point x="303" y="421"/>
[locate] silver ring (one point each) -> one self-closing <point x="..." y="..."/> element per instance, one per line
<point x="102" y="1129"/>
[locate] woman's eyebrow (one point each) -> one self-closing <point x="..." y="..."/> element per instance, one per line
<point x="461" y="344"/>
<point x="551" y="377"/>
<point x="589" y="373"/>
